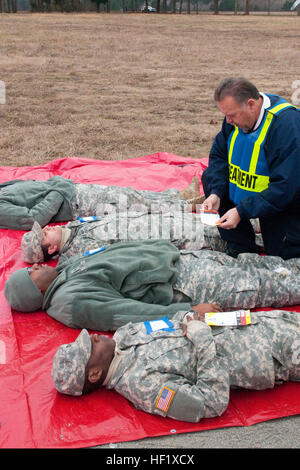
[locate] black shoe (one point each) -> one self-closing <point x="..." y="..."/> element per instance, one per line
<point x="234" y="253"/>
<point x="231" y="252"/>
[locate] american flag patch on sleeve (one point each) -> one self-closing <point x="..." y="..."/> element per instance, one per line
<point x="164" y="399"/>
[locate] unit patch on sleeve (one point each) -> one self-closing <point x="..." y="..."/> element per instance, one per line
<point x="164" y="399"/>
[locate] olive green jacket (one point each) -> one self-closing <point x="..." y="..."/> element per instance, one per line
<point x="23" y="202"/>
<point x="129" y="281"/>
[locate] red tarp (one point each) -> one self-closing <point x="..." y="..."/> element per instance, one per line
<point x="32" y="413"/>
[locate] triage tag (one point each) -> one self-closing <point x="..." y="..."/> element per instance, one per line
<point x="87" y="219"/>
<point x="236" y="318"/>
<point x="209" y="217"/>
<point x="156" y="325"/>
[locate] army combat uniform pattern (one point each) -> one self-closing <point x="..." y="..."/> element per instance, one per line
<point x="246" y="282"/>
<point x="95" y="199"/>
<point x="189" y="378"/>
<point x="184" y="230"/>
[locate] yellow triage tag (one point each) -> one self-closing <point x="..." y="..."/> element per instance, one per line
<point x="236" y="318"/>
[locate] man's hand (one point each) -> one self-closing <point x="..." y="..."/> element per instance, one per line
<point x="229" y="220"/>
<point x="212" y="203"/>
<point x="205" y="308"/>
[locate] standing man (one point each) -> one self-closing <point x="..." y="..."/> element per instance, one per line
<point x="254" y="170"/>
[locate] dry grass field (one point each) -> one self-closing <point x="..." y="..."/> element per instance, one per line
<point x="116" y="86"/>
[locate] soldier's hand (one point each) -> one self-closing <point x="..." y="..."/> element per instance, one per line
<point x="205" y="308"/>
<point x="199" y="316"/>
<point x="188" y="318"/>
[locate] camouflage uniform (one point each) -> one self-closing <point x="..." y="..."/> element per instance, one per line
<point x="183" y="229"/>
<point x="189" y="378"/>
<point x="95" y="199"/>
<point x="246" y="282"/>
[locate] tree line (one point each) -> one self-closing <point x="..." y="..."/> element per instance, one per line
<point x="162" y="6"/>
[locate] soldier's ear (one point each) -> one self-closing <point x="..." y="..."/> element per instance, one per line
<point x="94" y="374"/>
<point x="52" y="249"/>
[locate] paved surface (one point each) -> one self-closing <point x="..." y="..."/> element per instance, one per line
<point x="275" y="434"/>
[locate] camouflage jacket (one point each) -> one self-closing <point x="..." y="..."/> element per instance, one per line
<point x="184" y="229"/>
<point x="189" y="378"/>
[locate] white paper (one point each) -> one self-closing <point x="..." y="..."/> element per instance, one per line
<point x="158" y="325"/>
<point x="209" y="218"/>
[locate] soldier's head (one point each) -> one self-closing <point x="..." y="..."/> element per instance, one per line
<point x="81" y="367"/>
<point x="39" y="244"/>
<point x="25" y="289"/>
<point x="240" y="102"/>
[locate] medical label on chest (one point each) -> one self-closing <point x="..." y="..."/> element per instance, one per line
<point x="236" y="318"/>
<point x="157" y="325"/>
<point x="91" y="218"/>
<point x="93" y="251"/>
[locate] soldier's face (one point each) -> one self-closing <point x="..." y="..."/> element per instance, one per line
<point x="42" y="275"/>
<point x="102" y="351"/>
<point x="52" y="235"/>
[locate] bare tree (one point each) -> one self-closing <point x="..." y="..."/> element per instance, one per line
<point x="11" y="6"/>
<point x="247" y="7"/>
<point x="216" y="7"/>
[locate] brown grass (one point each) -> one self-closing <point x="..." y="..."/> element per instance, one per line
<point x="115" y="86"/>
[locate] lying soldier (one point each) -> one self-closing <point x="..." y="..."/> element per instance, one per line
<point x="136" y="281"/>
<point x="185" y="370"/>
<point x="59" y="200"/>
<point x="184" y="230"/>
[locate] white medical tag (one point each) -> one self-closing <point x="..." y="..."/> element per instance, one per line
<point x="209" y="217"/>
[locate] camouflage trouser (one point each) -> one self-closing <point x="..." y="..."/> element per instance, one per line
<point x="95" y="199"/>
<point x="283" y="330"/>
<point x="247" y="282"/>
